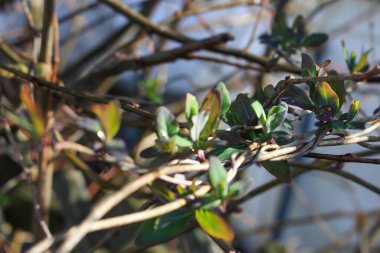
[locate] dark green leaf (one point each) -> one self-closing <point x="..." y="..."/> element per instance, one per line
<point x="315" y="40"/>
<point x="297" y="97"/>
<point x="218" y="176"/>
<point x="163" y="228"/>
<point x="225" y="153"/>
<point x="308" y="66"/>
<point x="337" y="124"/>
<point x="327" y="98"/>
<point x="214" y="225"/>
<point x="279" y="169"/>
<point x="240" y="112"/>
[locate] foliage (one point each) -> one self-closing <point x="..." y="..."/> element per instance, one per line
<point x="85" y="148"/>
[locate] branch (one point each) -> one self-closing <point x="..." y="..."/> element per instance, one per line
<point x="173" y="35"/>
<point x="343" y="158"/>
<point x="75" y="234"/>
<point x="128" y="106"/>
<point x="163" y="56"/>
<point x="283" y="85"/>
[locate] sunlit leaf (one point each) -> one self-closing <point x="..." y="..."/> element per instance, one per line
<point x="339" y="88"/>
<point x="362" y="64"/>
<point x="315" y="40"/>
<point x="279" y="169"/>
<point x="33" y="109"/>
<point x="191" y="107"/>
<point x="109" y="116"/>
<point x="163" y="228"/>
<point x="354" y="108"/>
<point x="214" y="225"/>
<point x="198" y="123"/>
<point x="213" y="104"/>
<point x="259" y="111"/>
<point x="218" y="176"/>
<point x="327" y="98"/>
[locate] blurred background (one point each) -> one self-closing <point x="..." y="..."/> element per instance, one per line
<point x="318" y="212"/>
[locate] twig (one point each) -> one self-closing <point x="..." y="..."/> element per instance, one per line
<point x="343" y="158"/>
<point x="47" y="36"/>
<point x="131" y="107"/>
<point x="75" y="234"/>
<point x="283" y="85"/>
<point x="163" y="56"/>
<point x="173" y="35"/>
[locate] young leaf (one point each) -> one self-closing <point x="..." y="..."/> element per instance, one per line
<point x="326" y="97"/>
<point x="191" y="107"/>
<point x="214" y="225"/>
<point x="354" y="108"/>
<point x="151" y="89"/>
<point x="297" y="97"/>
<point x="162" y="229"/>
<point x="260" y="113"/>
<point x="362" y="64"/>
<point x="109" y="116"/>
<point x="218" y="177"/>
<point x="276" y="117"/>
<point x="213" y="104"/>
<point x="279" y="169"/>
<point x="226" y="100"/>
<point x="315" y="40"/>
<point x="339" y="88"/>
<point x="33" y="109"/>
<point x="198" y="123"/>
<point x="308" y="66"/>
<point x="166" y="126"/>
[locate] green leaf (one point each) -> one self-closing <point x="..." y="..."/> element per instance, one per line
<point x="162" y="229"/>
<point x="297" y="97"/>
<point x="362" y="63"/>
<point x="279" y="169"/>
<point x="315" y="40"/>
<point x="218" y="176"/>
<point x="150" y="88"/>
<point x="259" y="111"/>
<point x="225" y="153"/>
<point x="308" y="66"/>
<point x="19" y="121"/>
<point x="191" y="107"/>
<point x="226" y="100"/>
<point x="214" y="225"/>
<point x="199" y="121"/>
<point x="354" y="109"/>
<point x="327" y="98"/>
<point x="181" y="141"/>
<point x="241" y="111"/>
<point x="166" y="126"/>
<point x="239" y="189"/>
<point x="276" y="117"/>
<point x="213" y="104"/>
<point x="109" y="116"/>
<point x="339" y="88"/>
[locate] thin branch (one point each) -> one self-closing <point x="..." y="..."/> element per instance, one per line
<point x="131" y="107"/>
<point x="163" y="56"/>
<point x="343" y="158"/>
<point x="173" y="35"/>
